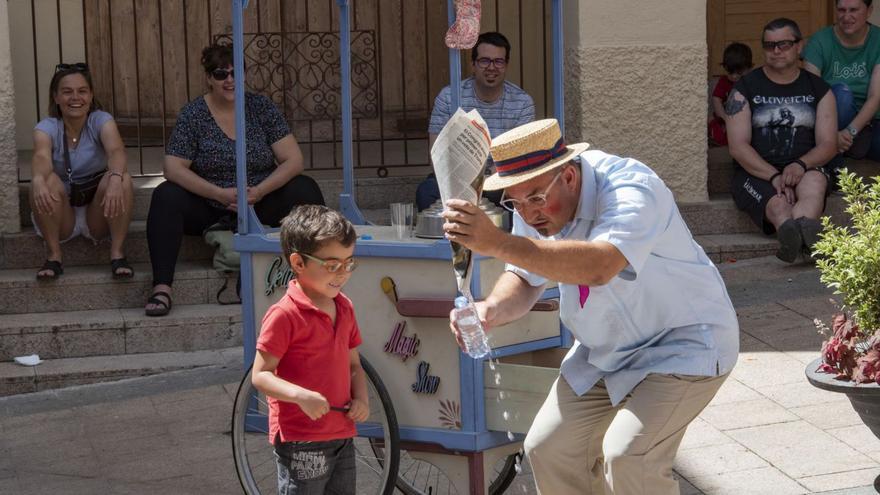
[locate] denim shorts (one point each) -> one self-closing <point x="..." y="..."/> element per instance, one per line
<point x="316" y="468"/>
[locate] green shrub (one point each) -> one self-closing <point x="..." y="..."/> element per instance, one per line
<point x="849" y="257"/>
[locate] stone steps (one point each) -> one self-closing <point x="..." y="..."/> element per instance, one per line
<point x="105" y="332"/>
<point x="91" y="287"/>
<point x="723" y="248"/>
<point x="67" y="372"/>
<point x="720" y="215"/>
<point x="26" y="250"/>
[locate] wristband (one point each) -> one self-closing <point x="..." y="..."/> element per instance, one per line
<point x="777" y="174"/>
<point x="118" y="175"/>
<point x="801" y="163"/>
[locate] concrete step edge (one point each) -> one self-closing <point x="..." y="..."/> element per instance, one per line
<point x="66" y="372"/>
<point x="105" y="332"/>
<point x="77" y="275"/>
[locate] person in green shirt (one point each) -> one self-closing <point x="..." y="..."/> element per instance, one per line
<point x="847" y="56"/>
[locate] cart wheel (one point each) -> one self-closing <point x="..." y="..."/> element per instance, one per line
<point x="255" y="458"/>
<point x="420" y="477"/>
<point x="504" y="474"/>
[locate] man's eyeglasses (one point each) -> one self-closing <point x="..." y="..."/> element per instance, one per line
<point x="784" y="45"/>
<point x="77" y="67"/>
<point x="485" y="62"/>
<point x="333" y="265"/>
<point x="222" y="74"/>
<point x="533" y="201"/>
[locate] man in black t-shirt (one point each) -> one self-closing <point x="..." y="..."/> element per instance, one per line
<point x="782" y="131"/>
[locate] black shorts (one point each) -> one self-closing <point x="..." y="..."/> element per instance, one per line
<point x="752" y="194"/>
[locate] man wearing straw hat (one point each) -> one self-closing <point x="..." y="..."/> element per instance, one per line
<point x="656" y="333"/>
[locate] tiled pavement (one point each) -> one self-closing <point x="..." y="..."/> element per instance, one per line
<point x="767" y="431"/>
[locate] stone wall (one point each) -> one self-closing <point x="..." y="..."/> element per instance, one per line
<point x="9" y="220"/>
<point x="636" y="85"/>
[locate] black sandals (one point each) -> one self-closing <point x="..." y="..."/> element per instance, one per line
<point x="121" y="269"/>
<point x="50" y="265"/>
<point x="163" y="306"/>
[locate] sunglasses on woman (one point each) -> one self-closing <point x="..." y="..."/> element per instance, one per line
<point x="222" y="74"/>
<point x="77" y="67"/>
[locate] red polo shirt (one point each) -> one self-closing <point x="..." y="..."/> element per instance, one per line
<point x="314" y="355"/>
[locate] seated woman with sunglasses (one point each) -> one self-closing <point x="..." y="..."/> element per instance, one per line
<point x="80" y="184"/>
<point x="199" y="187"/>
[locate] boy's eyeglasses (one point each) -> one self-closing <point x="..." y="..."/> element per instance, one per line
<point x="784" y="45"/>
<point x="222" y="74"/>
<point x="533" y="201"/>
<point x="77" y="67"/>
<point x="485" y="62"/>
<point x="333" y="265"/>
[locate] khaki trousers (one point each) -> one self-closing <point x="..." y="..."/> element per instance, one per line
<point x="584" y="445"/>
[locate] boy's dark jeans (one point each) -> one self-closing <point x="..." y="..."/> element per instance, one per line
<point x="316" y="468"/>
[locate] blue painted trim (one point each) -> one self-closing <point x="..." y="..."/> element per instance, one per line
<point x="558" y="73"/>
<point x="347" y="203"/>
<point x="348" y="206"/>
<point x="240" y="140"/>
<point x="248" y="322"/>
<point x="466" y="382"/>
<point x="439" y="250"/>
<point x="477" y="391"/>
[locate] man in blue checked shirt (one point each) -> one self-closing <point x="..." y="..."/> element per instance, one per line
<point x="656" y="333"/>
<point x="502" y="104"/>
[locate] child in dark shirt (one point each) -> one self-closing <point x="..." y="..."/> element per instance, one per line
<point x="737" y="61"/>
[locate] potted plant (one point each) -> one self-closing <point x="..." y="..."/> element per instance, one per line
<point x="849" y="261"/>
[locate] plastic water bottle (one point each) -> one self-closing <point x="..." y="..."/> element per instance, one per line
<point x="468" y="321"/>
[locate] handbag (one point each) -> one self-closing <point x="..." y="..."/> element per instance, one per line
<point x="226" y="259"/>
<point x="81" y="193"/>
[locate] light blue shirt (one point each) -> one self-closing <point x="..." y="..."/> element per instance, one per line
<point x="88" y="157"/>
<point x="667" y="312"/>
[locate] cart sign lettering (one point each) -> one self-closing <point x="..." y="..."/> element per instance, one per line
<point x="425" y="383"/>
<point x="277" y="276"/>
<point x="401" y="345"/>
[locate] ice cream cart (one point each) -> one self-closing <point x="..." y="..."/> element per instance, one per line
<point x="440" y="422"/>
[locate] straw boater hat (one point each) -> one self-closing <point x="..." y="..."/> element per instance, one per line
<point x="528" y="151"/>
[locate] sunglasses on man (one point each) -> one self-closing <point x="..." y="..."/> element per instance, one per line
<point x="783" y="45"/>
<point x="222" y="74"/>
<point x="77" y="67"/>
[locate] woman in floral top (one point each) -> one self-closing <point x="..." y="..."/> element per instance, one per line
<point x="200" y="188"/>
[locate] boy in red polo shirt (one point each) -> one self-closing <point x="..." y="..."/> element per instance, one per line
<point x="307" y="361"/>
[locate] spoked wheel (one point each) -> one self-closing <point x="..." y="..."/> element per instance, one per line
<point x="418" y="476"/>
<point x="377" y="454"/>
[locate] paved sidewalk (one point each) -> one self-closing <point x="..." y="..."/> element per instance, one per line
<point x="767" y="431"/>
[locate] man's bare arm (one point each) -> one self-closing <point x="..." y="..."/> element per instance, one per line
<point x="739" y="137"/>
